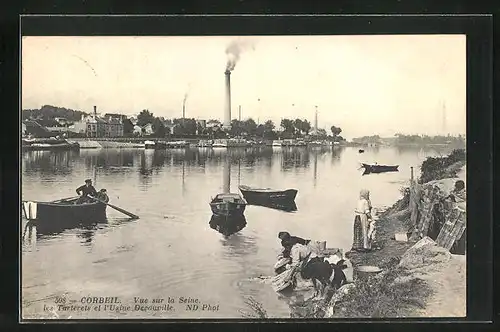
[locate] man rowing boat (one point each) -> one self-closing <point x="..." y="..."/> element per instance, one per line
<point x="85" y="191"/>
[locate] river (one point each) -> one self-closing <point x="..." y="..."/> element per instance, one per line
<point x="172" y="251"/>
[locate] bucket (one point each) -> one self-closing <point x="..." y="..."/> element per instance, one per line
<point x="366" y="271"/>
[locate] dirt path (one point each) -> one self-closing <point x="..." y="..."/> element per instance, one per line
<point x="448" y="283"/>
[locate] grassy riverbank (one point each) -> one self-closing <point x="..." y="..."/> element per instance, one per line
<point x="415" y="282"/>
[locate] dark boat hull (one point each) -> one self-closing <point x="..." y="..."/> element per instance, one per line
<point x="287" y="206"/>
<point x="48" y="212"/>
<point x="227" y="209"/>
<point x="379" y="168"/>
<point x="257" y="197"/>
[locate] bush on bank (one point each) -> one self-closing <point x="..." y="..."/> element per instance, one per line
<point x="437" y="168"/>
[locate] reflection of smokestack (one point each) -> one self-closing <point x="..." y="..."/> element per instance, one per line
<point x="227" y="110"/>
<point x="316" y="120"/>
<point x="226" y="176"/>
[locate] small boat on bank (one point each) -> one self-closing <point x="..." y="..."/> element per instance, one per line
<point x="155" y="145"/>
<point x="63" y="211"/>
<point x="177" y="145"/>
<point x="379" y="168"/>
<point x="229" y="204"/>
<point x="361" y="151"/>
<point x="267" y="195"/>
<point x="48" y="144"/>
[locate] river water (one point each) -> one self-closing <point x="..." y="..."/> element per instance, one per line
<point x="171" y="251"/>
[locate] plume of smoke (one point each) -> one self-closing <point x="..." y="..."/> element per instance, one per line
<point x="234" y="50"/>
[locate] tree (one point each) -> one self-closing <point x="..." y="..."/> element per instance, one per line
<point x="321" y="132"/>
<point x="144" y="118"/>
<point x="287" y="125"/>
<point x="335" y="131"/>
<point x="298" y="124"/>
<point x="306" y="127"/>
<point x="159" y="128"/>
<point x="249" y="126"/>
<point x="236" y="128"/>
<point x="128" y="127"/>
<point x="269" y="126"/>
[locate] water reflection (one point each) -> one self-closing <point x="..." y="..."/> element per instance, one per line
<point x="227" y="226"/>
<point x="54" y="228"/>
<point x="49" y="162"/>
<point x="239" y="245"/>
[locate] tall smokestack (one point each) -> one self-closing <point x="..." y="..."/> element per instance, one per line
<point x="95" y="111"/>
<point x="183" y="111"/>
<point x="239" y="113"/>
<point x="227" y="110"/>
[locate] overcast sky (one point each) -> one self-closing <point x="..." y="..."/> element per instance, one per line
<point x="364" y="84"/>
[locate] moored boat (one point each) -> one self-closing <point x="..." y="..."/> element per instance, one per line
<point x="48" y="144"/>
<point x="379" y="168"/>
<point x="156" y="145"/>
<point x="258" y="195"/>
<point x="228" y="204"/>
<point x="66" y="211"/>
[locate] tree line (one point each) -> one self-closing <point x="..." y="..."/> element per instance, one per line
<point x="290" y="128"/>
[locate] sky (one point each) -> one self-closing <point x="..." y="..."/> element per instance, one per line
<point x="367" y="85"/>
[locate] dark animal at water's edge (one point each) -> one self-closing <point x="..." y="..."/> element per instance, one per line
<point x="227" y="225"/>
<point x="253" y="194"/>
<point x="63" y="213"/>
<point x="378" y="168"/>
<point x="229" y="204"/>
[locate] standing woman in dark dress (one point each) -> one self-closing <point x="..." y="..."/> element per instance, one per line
<point x="361" y="241"/>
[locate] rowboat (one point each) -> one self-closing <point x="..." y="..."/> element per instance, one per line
<point x="255" y="195"/>
<point x="65" y="211"/>
<point x="227" y="225"/>
<point x="48" y="144"/>
<point x="287" y="206"/>
<point x="156" y="145"/>
<point x="379" y="168"/>
<point x="229" y="204"/>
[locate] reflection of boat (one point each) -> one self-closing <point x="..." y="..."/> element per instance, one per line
<point x="253" y="194"/>
<point x="227" y="225"/>
<point x="229" y="204"/>
<point x="379" y="168"/>
<point x="63" y="211"/>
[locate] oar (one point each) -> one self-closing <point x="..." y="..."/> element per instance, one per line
<point x="65" y="199"/>
<point x="131" y="215"/>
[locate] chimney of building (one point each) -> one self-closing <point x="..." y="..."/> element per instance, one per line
<point x="227" y="111"/>
<point x="95" y="111"/>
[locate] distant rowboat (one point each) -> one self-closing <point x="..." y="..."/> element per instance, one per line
<point x="379" y="168"/>
<point x="253" y="194"/>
